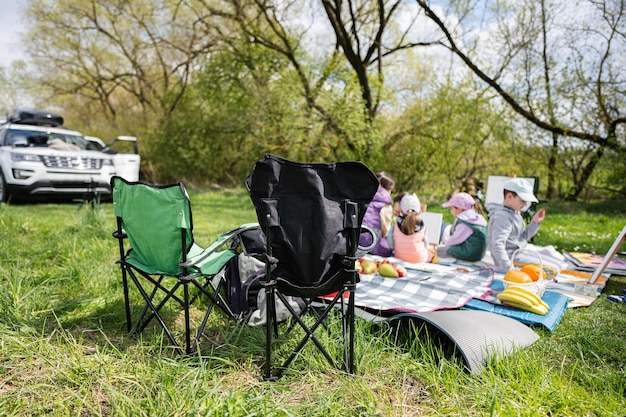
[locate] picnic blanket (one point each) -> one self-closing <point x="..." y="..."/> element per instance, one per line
<point x="558" y="305"/>
<point x="573" y="284"/>
<point x="436" y="295"/>
<point x="422" y="290"/>
<point x="455" y="284"/>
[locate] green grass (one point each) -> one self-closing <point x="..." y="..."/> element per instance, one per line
<point x="64" y="350"/>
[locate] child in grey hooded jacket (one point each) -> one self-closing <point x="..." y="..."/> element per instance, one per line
<point x="506" y="230"/>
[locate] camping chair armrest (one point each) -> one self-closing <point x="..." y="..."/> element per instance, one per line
<point x="186" y="264"/>
<point x="187" y="277"/>
<point x="362" y="250"/>
<point x="263" y="257"/>
<point x="119" y="235"/>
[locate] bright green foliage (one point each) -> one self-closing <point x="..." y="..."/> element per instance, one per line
<point x="453" y="134"/>
<point x="245" y="104"/>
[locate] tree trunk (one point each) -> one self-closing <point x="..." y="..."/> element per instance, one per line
<point x="581" y="181"/>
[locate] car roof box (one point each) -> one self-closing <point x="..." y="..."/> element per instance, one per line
<point x="36" y="117"/>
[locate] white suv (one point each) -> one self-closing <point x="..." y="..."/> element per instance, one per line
<point x="41" y="159"/>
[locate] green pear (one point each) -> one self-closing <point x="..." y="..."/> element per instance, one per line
<point x="387" y="270"/>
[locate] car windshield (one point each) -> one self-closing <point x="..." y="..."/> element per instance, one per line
<point x="25" y="137"/>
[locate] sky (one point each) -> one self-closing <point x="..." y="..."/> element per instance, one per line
<point x="10" y="25"/>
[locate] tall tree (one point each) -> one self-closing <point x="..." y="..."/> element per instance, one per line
<point x="591" y="100"/>
<point x="450" y="138"/>
<point x="128" y="57"/>
<point x="365" y="37"/>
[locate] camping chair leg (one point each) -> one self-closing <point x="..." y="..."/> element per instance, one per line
<point x="126" y="300"/>
<point x="310" y="333"/>
<point x="155" y="313"/>
<point x="142" y="321"/>
<point x="270" y="326"/>
<point x="185" y="302"/>
<point x="214" y="300"/>
<point x="215" y="296"/>
<point x="269" y="285"/>
<point x="186" y="308"/>
<point x="120" y="236"/>
<point x="351" y="223"/>
<point x="308" y="308"/>
<point x="349" y="354"/>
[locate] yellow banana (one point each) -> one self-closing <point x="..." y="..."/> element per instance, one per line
<point x="525" y="292"/>
<point x="517" y="298"/>
<point x="537" y="309"/>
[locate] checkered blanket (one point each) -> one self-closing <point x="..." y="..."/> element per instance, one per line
<point x="426" y="287"/>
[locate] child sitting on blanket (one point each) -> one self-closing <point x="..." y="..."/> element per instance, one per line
<point x="506" y="230"/>
<point x="408" y="238"/>
<point x="378" y="217"/>
<point x="468" y="236"/>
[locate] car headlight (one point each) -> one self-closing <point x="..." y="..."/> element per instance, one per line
<point x="107" y="162"/>
<point x="24" y="157"/>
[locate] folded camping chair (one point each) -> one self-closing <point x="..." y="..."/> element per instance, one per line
<point x="311" y="215"/>
<point x="163" y="261"/>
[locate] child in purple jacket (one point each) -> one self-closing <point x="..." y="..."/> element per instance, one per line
<point x="378" y="216"/>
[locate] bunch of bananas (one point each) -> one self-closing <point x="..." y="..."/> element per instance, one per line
<point x="523" y="299"/>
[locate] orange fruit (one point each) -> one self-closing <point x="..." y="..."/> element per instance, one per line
<point x="518" y="277"/>
<point x="534" y="271"/>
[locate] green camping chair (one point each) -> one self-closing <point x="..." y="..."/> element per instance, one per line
<point x="163" y="261"/>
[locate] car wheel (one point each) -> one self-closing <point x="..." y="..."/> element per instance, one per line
<point x="4" y="193"/>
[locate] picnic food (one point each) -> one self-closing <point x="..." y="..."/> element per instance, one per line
<point x="533" y="270"/>
<point x="387" y="270"/>
<point x="369" y="266"/>
<point x="517" y="276"/>
<point x="523" y="299"/>
<point x="401" y="271"/>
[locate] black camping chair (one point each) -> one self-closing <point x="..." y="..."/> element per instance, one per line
<point x="311" y="215"/>
<point x="163" y="261"/>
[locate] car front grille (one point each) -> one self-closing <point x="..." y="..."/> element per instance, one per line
<point x="71" y="162"/>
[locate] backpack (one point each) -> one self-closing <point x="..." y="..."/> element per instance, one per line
<point x="244" y="274"/>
